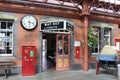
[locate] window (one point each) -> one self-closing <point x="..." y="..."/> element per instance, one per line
<point x="118" y="26"/>
<point x="107" y="36"/>
<point x="6" y="38"/>
<point x="104" y="39"/>
<point x="95" y="49"/>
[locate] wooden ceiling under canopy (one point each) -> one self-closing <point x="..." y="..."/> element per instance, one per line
<point x="72" y="8"/>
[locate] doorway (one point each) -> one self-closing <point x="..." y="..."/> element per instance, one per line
<point x="48" y="51"/>
<point x="55" y="51"/>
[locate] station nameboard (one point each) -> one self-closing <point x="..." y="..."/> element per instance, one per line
<point x="52" y="25"/>
<point x="63" y="25"/>
<point x="69" y="26"/>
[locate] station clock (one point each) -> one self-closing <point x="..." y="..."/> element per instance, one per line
<point x="29" y="22"/>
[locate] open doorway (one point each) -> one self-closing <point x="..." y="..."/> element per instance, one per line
<point x="48" y="51"/>
<point x="55" y="51"/>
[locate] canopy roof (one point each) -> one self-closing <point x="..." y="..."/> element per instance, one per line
<point x="102" y="7"/>
<point x="112" y="1"/>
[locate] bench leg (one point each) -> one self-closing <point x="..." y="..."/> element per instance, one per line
<point x="97" y="67"/>
<point x="5" y="73"/>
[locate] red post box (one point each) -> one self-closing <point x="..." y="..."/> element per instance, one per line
<point x="117" y="44"/>
<point x="77" y="54"/>
<point x="28" y="60"/>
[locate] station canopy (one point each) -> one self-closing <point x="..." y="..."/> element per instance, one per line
<point x="112" y="1"/>
<point x="104" y="7"/>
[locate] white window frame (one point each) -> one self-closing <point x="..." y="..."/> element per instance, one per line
<point x="12" y="37"/>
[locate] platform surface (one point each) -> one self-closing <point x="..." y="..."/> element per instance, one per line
<point x="66" y="75"/>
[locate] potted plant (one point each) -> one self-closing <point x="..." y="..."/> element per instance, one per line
<point x="92" y="38"/>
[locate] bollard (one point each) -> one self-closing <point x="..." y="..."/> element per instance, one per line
<point x="118" y="70"/>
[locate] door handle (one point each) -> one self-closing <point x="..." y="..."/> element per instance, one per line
<point x="65" y="56"/>
<point x="60" y="56"/>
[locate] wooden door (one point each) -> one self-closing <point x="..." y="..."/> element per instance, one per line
<point x="63" y="52"/>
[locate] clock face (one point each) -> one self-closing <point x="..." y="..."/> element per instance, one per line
<point x="29" y="22"/>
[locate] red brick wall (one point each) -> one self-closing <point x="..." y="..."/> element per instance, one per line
<point x="78" y="36"/>
<point x="116" y="32"/>
<point x="27" y="38"/>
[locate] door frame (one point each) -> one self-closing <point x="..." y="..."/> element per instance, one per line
<point x="71" y="47"/>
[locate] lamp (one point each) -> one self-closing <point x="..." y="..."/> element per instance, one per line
<point x="82" y="43"/>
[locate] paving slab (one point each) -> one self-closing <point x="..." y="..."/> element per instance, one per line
<point x="66" y="75"/>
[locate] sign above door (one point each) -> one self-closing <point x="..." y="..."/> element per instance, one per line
<point x="59" y="26"/>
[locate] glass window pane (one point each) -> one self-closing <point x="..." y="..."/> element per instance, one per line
<point x="10" y="24"/>
<point x="8" y="50"/>
<point x="96" y="33"/>
<point x="65" y="44"/>
<point x="60" y="44"/>
<point x="2" y="51"/>
<point x="0" y="42"/>
<point x="106" y="36"/>
<point x="3" y="25"/>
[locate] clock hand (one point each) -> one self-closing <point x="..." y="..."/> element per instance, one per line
<point x="32" y="22"/>
<point x="29" y="23"/>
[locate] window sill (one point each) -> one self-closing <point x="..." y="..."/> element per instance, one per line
<point x="6" y="58"/>
<point x="94" y="55"/>
<point x="6" y="55"/>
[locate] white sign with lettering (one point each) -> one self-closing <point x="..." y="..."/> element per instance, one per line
<point x="77" y="43"/>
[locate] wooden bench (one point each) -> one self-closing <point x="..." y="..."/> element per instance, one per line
<point x="5" y="66"/>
